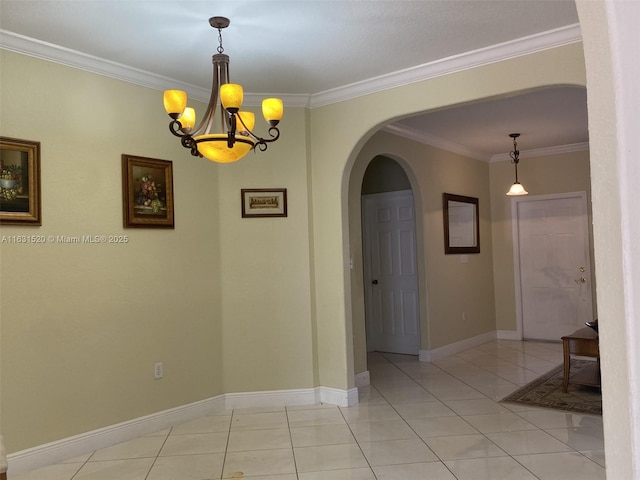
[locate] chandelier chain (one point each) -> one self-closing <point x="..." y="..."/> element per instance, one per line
<point x="220" y="49"/>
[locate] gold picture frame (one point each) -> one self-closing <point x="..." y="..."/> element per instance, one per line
<point x="147" y="192"/>
<point x="20" y="202"/>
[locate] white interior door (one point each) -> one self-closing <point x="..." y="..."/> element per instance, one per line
<point x="555" y="269"/>
<point x="390" y="273"/>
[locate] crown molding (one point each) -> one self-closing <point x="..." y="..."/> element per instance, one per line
<point x="484" y="56"/>
<point x="72" y="58"/>
<point x="544" y="152"/>
<point x="465" y="61"/>
<point x="435" y="141"/>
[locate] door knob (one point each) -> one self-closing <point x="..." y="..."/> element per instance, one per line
<point x="580" y="280"/>
<point x="582" y="269"/>
<point x="375" y="282"/>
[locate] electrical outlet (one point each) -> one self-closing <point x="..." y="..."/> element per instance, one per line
<point x="157" y="370"/>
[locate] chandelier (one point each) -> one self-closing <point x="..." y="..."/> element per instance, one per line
<point x="235" y="137"/>
<point x="516" y="188"/>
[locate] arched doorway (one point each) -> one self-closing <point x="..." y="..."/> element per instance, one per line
<point x="392" y="308"/>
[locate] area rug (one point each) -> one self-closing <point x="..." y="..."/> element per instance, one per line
<point x="546" y="392"/>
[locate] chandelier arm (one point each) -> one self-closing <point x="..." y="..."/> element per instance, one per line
<point x="206" y="123"/>
<point x="261" y="143"/>
<point x="225" y="117"/>
<point x="275" y="134"/>
<point x="189" y="142"/>
<point x="175" y="127"/>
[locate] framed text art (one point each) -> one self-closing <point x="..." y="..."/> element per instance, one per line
<point x="20" y="182"/>
<point x="147" y="191"/>
<point x="264" y="202"/>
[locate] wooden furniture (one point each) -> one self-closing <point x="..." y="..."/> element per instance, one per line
<point x="583" y="342"/>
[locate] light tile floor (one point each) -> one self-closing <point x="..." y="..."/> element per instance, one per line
<point x="436" y="421"/>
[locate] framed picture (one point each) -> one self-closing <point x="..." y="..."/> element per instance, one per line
<point x="19" y="182"/>
<point x="461" y="224"/>
<point x="264" y="202"/>
<point x="147" y="191"/>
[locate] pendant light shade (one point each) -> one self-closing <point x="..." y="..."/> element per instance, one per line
<point x="175" y="102"/>
<point x="272" y="110"/>
<point x="214" y="147"/>
<point x="231" y="96"/>
<point x="517" y="189"/>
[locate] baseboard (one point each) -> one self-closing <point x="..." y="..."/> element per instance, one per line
<point x="453" y="348"/>
<point x="362" y="379"/>
<point x="509" y="335"/>
<point x="275" y="398"/>
<point x="60" y="450"/>
<point x="55" y="452"/>
<point x="335" y="396"/>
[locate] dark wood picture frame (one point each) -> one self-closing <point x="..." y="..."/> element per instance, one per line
<point x="264" y="202"/>
<point x="147" y="192"/>
<point x="20" y="202"/>
<point x="461" y="216"/>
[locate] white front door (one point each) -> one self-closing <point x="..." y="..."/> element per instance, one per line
<point x="555" y="269"/>
<point x="390" y="273"/>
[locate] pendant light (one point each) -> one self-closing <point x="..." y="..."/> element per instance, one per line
<point x="516" y="188"/>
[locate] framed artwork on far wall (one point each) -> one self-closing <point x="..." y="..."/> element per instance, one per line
<point x="461" y="217"/>
<point x="264" y="202"/>
<point x="20" y="182"/>
<point x="147" y="192"/>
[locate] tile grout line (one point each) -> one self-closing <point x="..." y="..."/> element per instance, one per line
<point x="357" y="442"/>
<point x="293" y="452"/>
<point x="226" y="448"/>
<point x="158" y="454"/>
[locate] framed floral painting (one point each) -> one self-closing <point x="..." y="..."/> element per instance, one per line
<point x="19" y="182"/>
<point x="147" y="190"/>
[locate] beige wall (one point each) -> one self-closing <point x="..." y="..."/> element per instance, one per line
<point x="265" y="270"/>
<point x="82" y="325"/>
<point x="223" y="302"/>
<point x="563" y="173"/>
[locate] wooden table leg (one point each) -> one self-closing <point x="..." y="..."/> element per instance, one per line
<point x="567" y="365"/>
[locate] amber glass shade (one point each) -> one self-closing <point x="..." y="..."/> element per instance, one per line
<point x="214" y="147"/>
<point x="231" y="96"/>
<point x="188" y="118"/>
<point x="246" y="121"/>
<point x="272" y="110"/>
<point x="175" y="101"/>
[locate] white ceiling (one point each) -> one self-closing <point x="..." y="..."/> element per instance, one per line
<point x="313" y="49"/>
